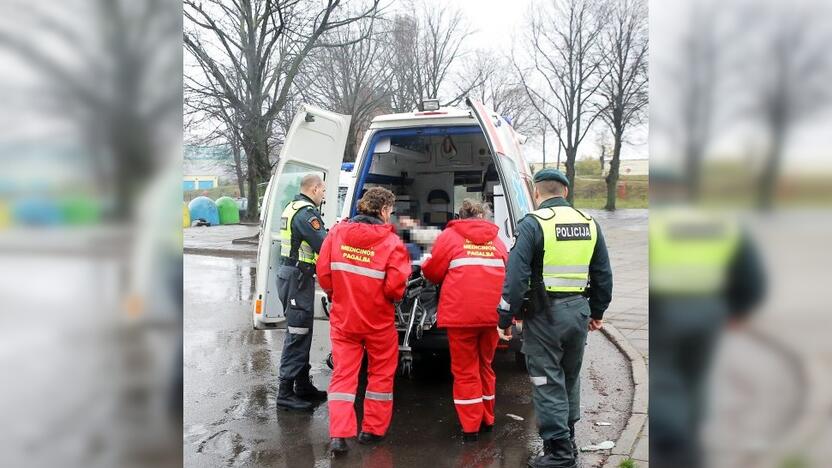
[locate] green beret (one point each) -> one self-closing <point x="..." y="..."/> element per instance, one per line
<point x="551" y="174"/>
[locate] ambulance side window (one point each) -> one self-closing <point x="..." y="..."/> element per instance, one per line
<point x="513" y="184"/>
<point x="286" y="187"/>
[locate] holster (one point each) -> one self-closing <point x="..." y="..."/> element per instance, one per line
<point x="535" y="301"/>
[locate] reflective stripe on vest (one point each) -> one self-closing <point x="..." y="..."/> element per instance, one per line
<point x="690" y="252"/>
<point x="569" y="239"/>
<point x="468" y="261"/>
<point x="305" y="252"/>
<point x="358" y="270"/>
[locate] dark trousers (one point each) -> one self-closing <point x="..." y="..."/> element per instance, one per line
<point x="684" y="333"/>
<point x="296" y="289"/>
<point x="553" y="342"/>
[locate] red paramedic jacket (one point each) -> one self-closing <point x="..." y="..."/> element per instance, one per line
<point x="469" y="260"/>
<point x="363" y="266"/>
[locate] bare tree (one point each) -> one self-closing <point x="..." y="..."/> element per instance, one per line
<point x="623" y="89"/>
<point x="210" y="120"/>
<point x="565" y="71"/>
<point x="355" y="79"/>
<point x="501" y="90"/>
<point x="261" y="44"/>
<point x="427" y="45"/>
<point x="789" y="79"/>
<point x="105" y="72"/>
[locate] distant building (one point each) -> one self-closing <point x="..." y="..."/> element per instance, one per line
<point x="207" y="164"/>
<point x="200" y="182"/>
<point x="631" y="167"/>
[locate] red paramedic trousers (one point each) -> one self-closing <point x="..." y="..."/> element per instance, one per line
<point x="347" y="352"/>
<point x="472" y="350"/>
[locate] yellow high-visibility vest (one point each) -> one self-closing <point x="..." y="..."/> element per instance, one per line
<point x="569" y="239"/>
<point x="690" y="252"/>
<point x="305" y="252"/>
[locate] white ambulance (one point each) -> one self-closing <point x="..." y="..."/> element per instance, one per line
<point x="431" y="159"/>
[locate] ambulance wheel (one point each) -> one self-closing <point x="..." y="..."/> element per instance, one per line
<point x="520" y="360"/>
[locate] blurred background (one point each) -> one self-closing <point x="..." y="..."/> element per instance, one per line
<point x="740" y="223"/>
<point x="91" y="102"/>
<point x="90" y="232"/>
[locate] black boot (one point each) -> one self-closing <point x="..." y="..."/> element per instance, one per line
<point x="572" y="441"/>
<point x="338" y="446"/>
<point x="287" y="400"/>
<point x="366" y="438"/>
<point x="557" y="453"/>
<point x="304" y="388"/>
<point x="470" y="437"/>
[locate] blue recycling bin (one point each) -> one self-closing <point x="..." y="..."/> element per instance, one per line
<point x="204" y="208"/>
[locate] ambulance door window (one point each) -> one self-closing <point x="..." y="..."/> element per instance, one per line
<point x="286" y="187"/>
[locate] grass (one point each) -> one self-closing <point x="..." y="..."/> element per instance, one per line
<point x="598" y="203"/>
<point x="591" y="192"/>
<point x="628" y="463"/>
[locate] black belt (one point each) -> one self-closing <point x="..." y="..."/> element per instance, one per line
<point x="294" y="262"/>
<point x="562" y="295"/>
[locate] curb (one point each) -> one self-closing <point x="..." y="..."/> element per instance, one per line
<point x="241" y="253"/>
<point x="626" y="442"/>
<point x="816" y="404"/>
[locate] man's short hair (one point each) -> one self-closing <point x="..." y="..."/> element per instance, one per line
<point x="310" y="181"/>
<point x="550" y="187"/>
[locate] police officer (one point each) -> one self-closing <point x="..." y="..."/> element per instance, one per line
<point x="560" y="258"/>
<point x="301" y="235"/>
<point x="705" y="274"/>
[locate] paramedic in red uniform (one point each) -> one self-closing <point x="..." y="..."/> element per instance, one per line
<point x="363" y="267"/>
<point x="469" y="260"/>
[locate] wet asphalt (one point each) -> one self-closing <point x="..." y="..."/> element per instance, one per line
<point x="230" y="418"/>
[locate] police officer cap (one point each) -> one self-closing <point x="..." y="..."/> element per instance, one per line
<point x="551" y="174"/>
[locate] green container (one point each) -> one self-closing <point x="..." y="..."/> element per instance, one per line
<point x="229" y="212"/>
<point x="80" y="210"/>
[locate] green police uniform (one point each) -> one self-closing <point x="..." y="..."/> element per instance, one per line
<point x="301" y="236"/>
<point x="562" y="250"/>
<point x="703" y="269"/>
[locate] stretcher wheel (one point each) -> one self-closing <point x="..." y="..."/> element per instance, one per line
<point x="406" y="366"/>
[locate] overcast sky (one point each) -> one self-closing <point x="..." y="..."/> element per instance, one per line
<point x="499" y="25"/>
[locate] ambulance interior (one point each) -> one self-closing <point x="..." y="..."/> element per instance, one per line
<point x="431" y="175"/>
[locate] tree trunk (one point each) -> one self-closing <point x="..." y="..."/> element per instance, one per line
<point x="571" y="155"/>
<point x="612" y="176"/>
<point x="238" y="166"/>
<point x="768" y="178"/>
<point x="693" y="165"/>
<point x="252" y="211"/>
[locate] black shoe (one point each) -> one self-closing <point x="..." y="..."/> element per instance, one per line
<point x="305" y="390"/>
<point x="338" y="446"/>
<point x="287" y="400"/>
<point x="486" y="428"/>
<point x="470" y="436"/>
<point x="366" y="438"/>
<point x="557" y="453"/>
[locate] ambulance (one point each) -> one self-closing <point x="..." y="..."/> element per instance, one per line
<point x="431" y="158"/>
